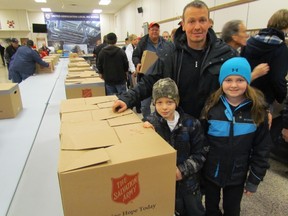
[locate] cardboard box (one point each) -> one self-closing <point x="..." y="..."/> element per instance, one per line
<point x="78" y="64"/>
<point x="82" y="88"/>
<point x="118" y="170"/>
<point x="76" y="59"/>
<point x="147" y="60"/>
<point x="41" y="69"/>
<point x="10" y="97"/>
<point x="79" y="69"/>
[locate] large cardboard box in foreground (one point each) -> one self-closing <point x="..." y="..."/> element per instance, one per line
<point x="10" y="100"/>
<point x="111" y="167"/>
<point x="147" y="60"/>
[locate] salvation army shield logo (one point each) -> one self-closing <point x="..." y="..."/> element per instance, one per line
<point x="86" y="93"/>
<point x="125" y="188"/>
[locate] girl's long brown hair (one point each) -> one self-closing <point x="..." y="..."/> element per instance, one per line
<point x="258" y="110"/>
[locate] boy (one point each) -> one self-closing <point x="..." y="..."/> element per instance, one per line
<point x="184" y="133"/>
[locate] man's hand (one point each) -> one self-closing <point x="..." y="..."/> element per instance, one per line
<point x="119" y="106"/>
<point x="285" y="134"/>
<point x="260" y="70"/>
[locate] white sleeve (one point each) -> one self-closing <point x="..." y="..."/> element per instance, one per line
<point x="129" y="52"/>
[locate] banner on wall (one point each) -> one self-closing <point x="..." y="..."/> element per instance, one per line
<point x="72" y="29"/>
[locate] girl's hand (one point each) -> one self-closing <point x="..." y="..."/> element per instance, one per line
<point x="147" y="124"/>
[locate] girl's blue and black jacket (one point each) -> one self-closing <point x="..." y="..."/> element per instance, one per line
<point x="236" y="146"/>
<point x="188" y="139"/>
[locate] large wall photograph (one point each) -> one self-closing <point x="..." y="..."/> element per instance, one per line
<point x="67" y="30"/>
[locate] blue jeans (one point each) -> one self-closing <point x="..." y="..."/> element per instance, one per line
<point x="145" y="107"/>
<point x="115" y="89"/>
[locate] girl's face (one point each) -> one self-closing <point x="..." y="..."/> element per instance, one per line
<point x="166" y="108"/>
<point x="234" y="87"/>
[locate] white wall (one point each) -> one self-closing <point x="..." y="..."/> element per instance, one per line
<point x="128" y="20"/>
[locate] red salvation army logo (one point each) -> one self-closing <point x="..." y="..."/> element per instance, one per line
<point x="125" y="188"/>
<point x="86" y="93"/>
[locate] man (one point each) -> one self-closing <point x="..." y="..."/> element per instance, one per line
<point x="165" y="35"/>
<point x="45" y="48"/>
<point x="10" y="51"/>
<point x="193" y="64"/>
<point x="112" y="64"/>
<point x="154" y="43"/>
<point x="23" y="63"/>
<point x="2" y="50"/>
<point x="98" y="48"/>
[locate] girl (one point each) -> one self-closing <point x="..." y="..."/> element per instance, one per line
<point x="238" y="138"/>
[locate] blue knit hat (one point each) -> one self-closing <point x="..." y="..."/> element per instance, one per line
<point x="235" y="66"/>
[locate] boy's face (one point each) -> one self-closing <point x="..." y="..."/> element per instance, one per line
<point x="166" y="108"/>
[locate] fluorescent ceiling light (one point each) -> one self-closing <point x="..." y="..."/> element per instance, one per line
<point x="40" y="1"/>
<point x="46" y="9"/>
<point x="104" y="2"/>
<point x="97" y="11"/>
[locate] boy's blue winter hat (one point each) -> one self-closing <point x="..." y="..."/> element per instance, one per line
<point x="235" y="66"/>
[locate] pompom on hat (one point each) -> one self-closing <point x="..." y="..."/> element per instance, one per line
<point x="235" y="66"/>
<point x="165" y="88"/>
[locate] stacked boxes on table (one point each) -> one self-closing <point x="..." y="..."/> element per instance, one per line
<point x="52" y="60"/>
<point x="10" y="100"/>
<point x="82" y="81"/>
<point x="110" y="164"/>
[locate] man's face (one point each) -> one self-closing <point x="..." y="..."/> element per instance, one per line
<point x="196" y="24"/>
<point x="154" y="32"/>
<point x="15" y="44"/>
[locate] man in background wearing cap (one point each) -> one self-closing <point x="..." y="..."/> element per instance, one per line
<point x="23" y="63"/>
<point x="10" y="51"/>
<point x="113" y="66"/>
<point x="154" y="43"/>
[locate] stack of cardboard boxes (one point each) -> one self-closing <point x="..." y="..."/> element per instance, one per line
<point x="82" y="81"/>
<point x="110" y="165"/>
<point x="52" y="59"/>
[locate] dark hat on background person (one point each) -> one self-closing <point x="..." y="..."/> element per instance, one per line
<point x="165" y="88"/>
<point x="153" y="24"/>
<point x="14" y="40"/>
<point x="111" y="38"/>
<point x="235" y="66"/>
<point x="30" y="43"/>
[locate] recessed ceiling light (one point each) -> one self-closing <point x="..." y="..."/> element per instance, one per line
<point x="97" y="11"/>
<point x="46" y="9"/>
<point x="104" y="2"/>
<point x="40" y="1"/>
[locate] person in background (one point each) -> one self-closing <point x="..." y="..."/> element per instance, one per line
<point x="132" y="74"/>
<point x="154" y="43"/>
<point x="113" y="66"/>
<point x="10" y="51"/>
<point x="45" y="48"/>
<point x="185" y="135"/>
<point x="126" y="43"/>
<point x="165" y="35"/>
<point x="238" y="138"/>
<point x="172" y="34"/>
<point x="42" y="53"/>
<point x="23" y="62"/>
<point x="98" y="48"/>
<point x="234" y="33"/>
<point x="211" y="22"/>
<point x="2" y="51"/>
<point x="268" y="46"/>
<point x="188" y="63"/>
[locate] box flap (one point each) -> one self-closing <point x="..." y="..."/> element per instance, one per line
<point x="89" y="138"/>
<point x="124" y="120"/>
<point x="77" y="116"/>
<point x="71" y="160"/>
<point x="107" y="113"/>
<point x="77" y="107"/>
<point x="72" y="101"/>
<point x="6" y="88"/>
<point x="100" y="99"/>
